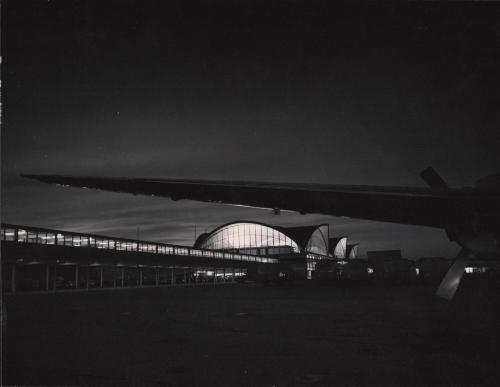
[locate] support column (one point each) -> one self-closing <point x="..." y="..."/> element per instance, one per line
<point x="13" y="282"/>
<point x="123" y="277"/>
<point x="55" y="276"/>
<point x="172" y="278"/>
<point x="185" y="280"/>
<point x="102" y="276"/>
<point x="140" y="276"/>
<point x="76" y="276"/>
<point x="87" y="280"/>
<point x="157" y="278"/>
<point x="234" y="275"/>
<point x="114" y="276"/>
<point x="47" y="276"/>
<point x="224" y="274"/>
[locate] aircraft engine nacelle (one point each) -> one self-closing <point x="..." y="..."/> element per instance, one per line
<point x="484" y="244"/>
<point x="478" y="235"/>
<point x="491" y="182"/>
<point x="475" y="224"/>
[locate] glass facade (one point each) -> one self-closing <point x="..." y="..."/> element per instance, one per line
<point x="352" y="251"/>
<point x="8" y="234"/>
<point x="250" y="238"/>
<point x="318" y="242"/>
<point x="311" y="262"/>
<point x="340" y="248"/>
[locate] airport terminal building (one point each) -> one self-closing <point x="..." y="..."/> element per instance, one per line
<point x="35" y="258"/>
<point x="49" y="257"/>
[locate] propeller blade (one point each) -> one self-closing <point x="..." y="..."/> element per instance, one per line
<point x="451" y="280"/>
<point x="432" y="178"/>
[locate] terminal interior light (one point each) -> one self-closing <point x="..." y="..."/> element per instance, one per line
<point x="474" y="269"/>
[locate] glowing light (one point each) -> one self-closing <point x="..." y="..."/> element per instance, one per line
<point x="474" y="269"/>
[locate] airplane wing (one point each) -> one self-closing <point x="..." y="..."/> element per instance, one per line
<point x="418" y="206"/>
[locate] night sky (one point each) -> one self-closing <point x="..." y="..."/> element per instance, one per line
<point x="297" y="91"/>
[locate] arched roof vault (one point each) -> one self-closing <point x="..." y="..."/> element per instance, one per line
<point x="250" y="234"/>
<point x="338" y="247"/>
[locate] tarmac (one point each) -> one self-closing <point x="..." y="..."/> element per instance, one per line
<point x="248" y="334"/>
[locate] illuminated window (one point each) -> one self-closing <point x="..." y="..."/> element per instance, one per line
<point x="475" y="269"/>
<point x="101" y="243"/>
<point x="181" y="251"/>
<point x="340" y="248"/>
<point x="21" y="235"/>
<point x="242" y="235"/>
<point x="68" y="240"/>
<point x="132" y="246"/>
<point x="59" y="239"/>
<point x="84" y="241"/>
<point x="147" y="248"/>
<point x="207" y="253"/>
<point x="31" y="237"/>
<point x="41" y="237"/>
<point x="50" y="239"/>
<point x="318" y="242"/>
<point x="8" y="234"/>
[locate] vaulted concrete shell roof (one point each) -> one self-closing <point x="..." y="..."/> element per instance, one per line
<point x="249" y="234"/>
<point x="338" y="246"/>
<point x="352" y="251"/>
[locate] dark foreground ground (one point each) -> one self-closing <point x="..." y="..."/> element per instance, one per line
<point x="252" y="335"/>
